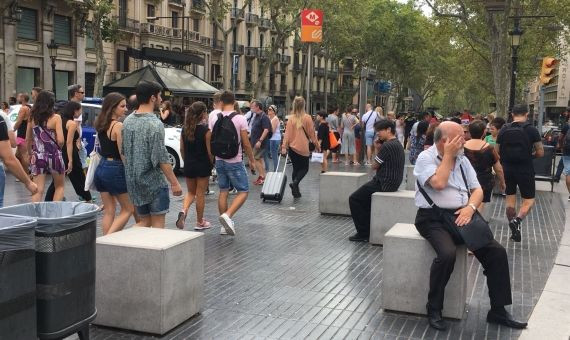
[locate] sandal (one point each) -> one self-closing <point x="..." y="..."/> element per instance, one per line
<point x="180" y="220"/>
<point x="202" y="225"/>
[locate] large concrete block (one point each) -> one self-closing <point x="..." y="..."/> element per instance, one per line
<point x="389" y="208"/>
<point x="335" y="189"/>
<point x="405" y="284"/>
<point x="410" y="178"/>
<point x="149" y="280"/>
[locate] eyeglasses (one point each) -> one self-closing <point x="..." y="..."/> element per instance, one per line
<point x="81" y="92"/>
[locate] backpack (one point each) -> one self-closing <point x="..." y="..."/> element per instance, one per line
<point x="515" y="146"/>
<point x="225" y="141"/>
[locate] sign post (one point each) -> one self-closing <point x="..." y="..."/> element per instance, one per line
<point x="311" y="32"/>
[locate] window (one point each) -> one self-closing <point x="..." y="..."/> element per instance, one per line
<point x="62" y="29"/>
<point x="261" y="38"/>
<point x="248" y="38"/>
<point x="174" y="19"/>
<point x="62" y="80"/>
<point x="89" y="84"/>
<point x="150" y="11"/>
<point x="196" y="23"/>
<point x="26" y="78"/>
<point x="89" y="42"/>
<point x="28" y="26"/>
<point x="122" y="61"/>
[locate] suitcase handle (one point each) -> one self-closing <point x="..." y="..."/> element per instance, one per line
<point x="279" y="161"/>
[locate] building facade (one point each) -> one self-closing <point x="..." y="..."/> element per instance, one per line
<point x="27" y="26"/>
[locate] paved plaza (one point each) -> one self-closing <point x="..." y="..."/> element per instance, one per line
<point x="290" y="273"/>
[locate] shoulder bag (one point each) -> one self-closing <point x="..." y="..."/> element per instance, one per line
<point x="311" y="144"/>
<point x="475" y="235"/>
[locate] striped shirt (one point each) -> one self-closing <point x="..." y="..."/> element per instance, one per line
<point x="391" y="159"/>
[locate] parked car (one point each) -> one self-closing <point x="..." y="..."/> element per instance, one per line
<point x="172" y="143"/>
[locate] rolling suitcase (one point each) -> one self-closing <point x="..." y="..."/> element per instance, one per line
<point x="274" y="184"/>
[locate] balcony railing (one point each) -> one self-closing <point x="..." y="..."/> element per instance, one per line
<point x="205" y="41"/>
<point x="252" y="52"/>
<point x="193" y="36"/>
<point x="217" y="44"/>
<point x="263" y="53"/>
<point x="237" y="13"/>
<point x="319" y="71"/>
<point x="333" y="74"/>
<point x="116" y="75"/>
<point x="238" y="49"/>
<point x="264" y="23"/>
<point x="176" y="2"/>
<point x="126" y="24"/>
<point x="285" y="59"/>
<point x="148" y="28"/>
<point x="251" y="19"/>
<point x="298" y="67"/>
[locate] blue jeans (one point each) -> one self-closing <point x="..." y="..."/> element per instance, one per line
<point x="274" y="151"/>
<point x="159" y="206"/>
<point x="233" y="174"/>
<point x="2" y="185"/>
<point x="267" y="157"/>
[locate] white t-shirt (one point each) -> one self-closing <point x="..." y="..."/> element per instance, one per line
<point x="249" y="120"/>
<point x="370" y="118"/>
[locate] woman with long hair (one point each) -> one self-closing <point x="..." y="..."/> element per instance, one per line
<point x="298" y="134"/>
<point x="198" y="162"/>
<point x="44" y="139"/>
<point x="74" y="169"/>
<point x="110" y="178"/>
<point x="167" y="116"/>
<point x="275" y="139"/>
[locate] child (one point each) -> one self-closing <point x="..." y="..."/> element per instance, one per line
<point x="323" y="137"/>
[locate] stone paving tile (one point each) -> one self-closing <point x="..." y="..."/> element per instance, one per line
<point x="291" y="274"/>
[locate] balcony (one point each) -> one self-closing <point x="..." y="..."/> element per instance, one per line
<point x="251" y="19"/>
<point x="178" y="3"/>
<point x="205" y="41"/>
<point x="193" y="36"/>
<point x="319" y="72"/>
<point x="263" y="53"/>
<point x="272" y="27"/>
<point x="116" y="75"/>
<point x="237" y="49"/>
<point x="285" y="59"/>
<point x="127" y="25"/>
<point x="237" y="14"/>
<point x="264" y="24"/>
<point x="317" y="94"/>
<point x="251" y="52"/>
<point x="298" y="67"/>
<point x="217" y="84"/>
<point x="149" y="28"/>
<point x="217" y="45"/>
<point x="332" y="74"/>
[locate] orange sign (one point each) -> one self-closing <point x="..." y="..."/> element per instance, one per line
<point x="312" y="25"/>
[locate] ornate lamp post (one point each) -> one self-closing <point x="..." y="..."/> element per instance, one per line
<point x="52" y="47"/>
<point x="515" y="34"/>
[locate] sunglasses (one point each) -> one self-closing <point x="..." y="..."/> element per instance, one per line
<point x="81" y="92"/>
<point x="355" y="112"/>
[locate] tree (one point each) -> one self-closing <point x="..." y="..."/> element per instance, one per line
<point x="101" y="28"/>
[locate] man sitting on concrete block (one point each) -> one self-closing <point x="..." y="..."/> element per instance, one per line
<point x="389" y="166"/>
<point x="440" y="170"/>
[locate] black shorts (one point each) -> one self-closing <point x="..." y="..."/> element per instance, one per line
<point x="523" y="179"/>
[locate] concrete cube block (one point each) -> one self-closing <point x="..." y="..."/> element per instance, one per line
<point x="410" y="178"/>
<point x="405" y="284"/>
<point x="389" y="208"/>
<point x="148" y="279"/>
<point x="335" y="189"/>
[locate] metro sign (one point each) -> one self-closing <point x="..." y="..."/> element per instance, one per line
<point x="312" y="25"/>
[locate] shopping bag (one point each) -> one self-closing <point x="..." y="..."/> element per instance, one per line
<point x="94" y="160"/>
<point x="332" y="140"/>
<point x="317" y="157"/>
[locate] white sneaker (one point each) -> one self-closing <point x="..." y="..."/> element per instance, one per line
<point x="223" y="231"/>
<point x="233" y="191"/>
<point x="228" y="224"/>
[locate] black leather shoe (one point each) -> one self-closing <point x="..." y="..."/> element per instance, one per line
<point x="505" y="319"/>
<point x="435" y="319"/>
<point x="358" y="238"/>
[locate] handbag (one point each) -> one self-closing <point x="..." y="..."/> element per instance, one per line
<point x="94" y="160"/>
<point x="332" y="140"/>
<point x="475" y="235"/>
<point x="311" y="144"/>
<point x="317" y="157"/>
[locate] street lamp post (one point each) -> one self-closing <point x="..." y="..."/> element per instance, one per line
<point x="52" y="47"/>
<point x="515" y="34"/>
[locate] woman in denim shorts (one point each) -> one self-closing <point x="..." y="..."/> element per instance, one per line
<point x="110" y="174"/>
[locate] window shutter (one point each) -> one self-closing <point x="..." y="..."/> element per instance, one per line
<point x="62" y="30"/>
<point x="28" y="26"/>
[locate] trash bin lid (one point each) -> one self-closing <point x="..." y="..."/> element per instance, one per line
<point x="17" y="233"/>
<point x="55" y="216"/>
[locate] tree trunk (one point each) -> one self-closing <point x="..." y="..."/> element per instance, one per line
<point x="227" y="65"/>
<point x="497" y="27"/>
<point x="101" y="67"/>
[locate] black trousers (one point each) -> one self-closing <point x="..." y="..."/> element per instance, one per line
<point x="300" y="166"/>
<point x="76" y="177"/>
<point x="493" y="258"/>
<point x="360" y="203"/>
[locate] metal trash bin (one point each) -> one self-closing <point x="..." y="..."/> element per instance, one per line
<point x="65" y="265"/>
<point x="17" y="278"/>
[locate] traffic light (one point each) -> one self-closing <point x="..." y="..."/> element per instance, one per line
<point x="547" y="70"/>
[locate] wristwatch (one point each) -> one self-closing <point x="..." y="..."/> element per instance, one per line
<point x="472" y="206"/>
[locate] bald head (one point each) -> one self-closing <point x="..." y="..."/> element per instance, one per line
<point x="447" y="130"/>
